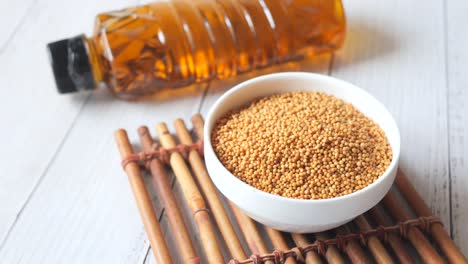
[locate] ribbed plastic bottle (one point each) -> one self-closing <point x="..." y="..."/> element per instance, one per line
<point x="178" y="43"/>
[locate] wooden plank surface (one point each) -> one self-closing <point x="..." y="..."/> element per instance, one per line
<point x="399" y="57"/>
<point x="83" y="207"/>
<point x="9" y="25"/>
<point x="34" y="118"/>
<point x="64" y="196"/>
<point x="457" y="62"/>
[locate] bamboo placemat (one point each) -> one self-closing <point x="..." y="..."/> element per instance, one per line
<point x="385" y="234"/>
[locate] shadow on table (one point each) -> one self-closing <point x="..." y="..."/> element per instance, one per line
<point x="319" y="64"/>
<point x="364" y="43"/>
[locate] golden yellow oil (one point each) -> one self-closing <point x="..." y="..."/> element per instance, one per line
<point x="178" y="43"/>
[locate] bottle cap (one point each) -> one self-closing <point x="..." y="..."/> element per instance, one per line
<point x="70" y="64"/>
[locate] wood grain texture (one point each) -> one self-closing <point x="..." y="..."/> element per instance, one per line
<point x="40" y="119"/>
<point x="201" y="215"/>
<point x="83" y="207"/>
<point x="163" y="187"/>
<point x="457" y="63"/>
<point x="9" y="25"/>
<point x="191" y="226"/>
<point x="143" y="199"/>
<point x="210" y="193"/>
<point x="395" y="50"/>
<point x="64" y="197"/>
<point x="374" y="244"/>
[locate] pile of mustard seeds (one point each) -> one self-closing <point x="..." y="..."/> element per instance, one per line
<point x="304" y="145"/>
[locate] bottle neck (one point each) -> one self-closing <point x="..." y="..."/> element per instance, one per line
<point x="94" y="60"/>
<point x="80" y="63"/>
<point x="76" y="64"/>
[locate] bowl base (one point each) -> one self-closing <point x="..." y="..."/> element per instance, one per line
<point x="310" y="228"/>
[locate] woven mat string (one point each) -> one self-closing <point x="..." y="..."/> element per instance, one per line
<point x="163" y="154"/>
<point x="320" y="246"/>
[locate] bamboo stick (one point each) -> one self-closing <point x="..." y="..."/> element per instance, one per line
<point x="192" y="196"/>
<point x="394" y="240"/>
<point x="311" y="257"/>
<point x="168" y="200"/>
<point x="352" y="248"/>
<point x="143" y="201"/>
<point x="332" y="255"/>
<point x="250" y="232"/>
<point x="376" y="248"/>
<point x="438" y="232"/>
<point x="419" y="241"/>
<point x="211" y="194"/>
<point x="247" y="225"/>
<point x="278" y="241"/>
<point x="198" y="125"/>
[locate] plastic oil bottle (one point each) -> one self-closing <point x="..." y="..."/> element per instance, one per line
<point x="178" y="43"/>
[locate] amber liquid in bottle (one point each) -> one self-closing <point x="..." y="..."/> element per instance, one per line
<point x="177" y="43"/>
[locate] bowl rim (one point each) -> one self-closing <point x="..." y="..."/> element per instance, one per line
<point x="334" y="81"/>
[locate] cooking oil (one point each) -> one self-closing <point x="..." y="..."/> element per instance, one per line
<point x="178" y="43"/>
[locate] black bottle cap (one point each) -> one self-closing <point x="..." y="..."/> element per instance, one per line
<point x="71" y="65"/>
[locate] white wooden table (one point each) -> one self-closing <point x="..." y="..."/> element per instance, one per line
<point x="63" y="195"/>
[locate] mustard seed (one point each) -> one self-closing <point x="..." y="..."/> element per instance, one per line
<point x="303" y="145"/>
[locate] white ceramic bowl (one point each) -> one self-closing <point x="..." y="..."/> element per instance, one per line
<point x="294" y="215"/>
